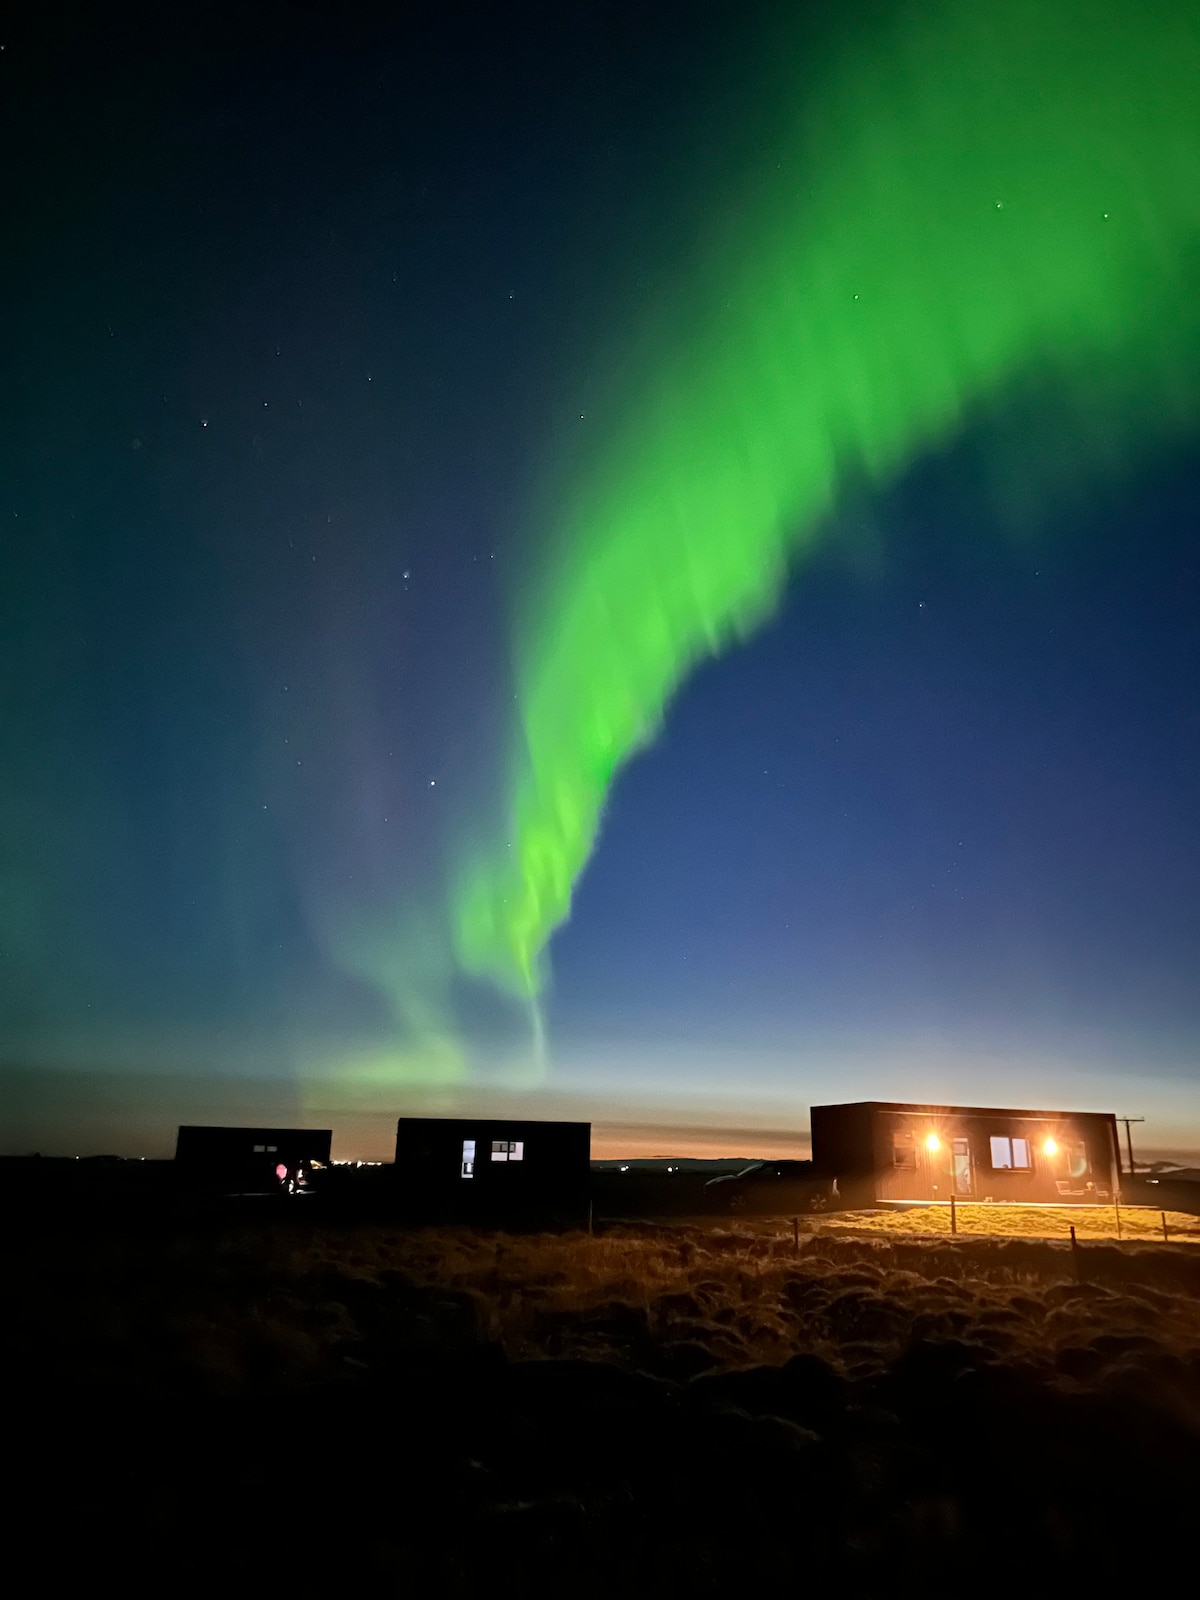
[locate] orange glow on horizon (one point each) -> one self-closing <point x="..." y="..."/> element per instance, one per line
<point x="650" y="1141"/>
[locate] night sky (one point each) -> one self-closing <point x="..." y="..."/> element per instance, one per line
<point x="365" y="381"/>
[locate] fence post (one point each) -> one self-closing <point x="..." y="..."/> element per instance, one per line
<point x="953" y="1216"/>
<point x="796" y="1235"/>
<point x="1163" y="1214"/>
<point x="1117" y="1209"/>
<point x="1075" y="1255"/>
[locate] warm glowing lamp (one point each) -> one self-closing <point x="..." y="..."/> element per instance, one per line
<point x="1051" y="1147"/>
<point x="933" y="1142"/>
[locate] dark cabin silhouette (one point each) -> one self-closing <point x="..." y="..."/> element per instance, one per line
<point x="487" y="1170"/>
<point x="247" y="1160"/>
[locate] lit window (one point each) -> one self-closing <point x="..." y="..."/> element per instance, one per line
<point x="273" y="1149"/>
<point x="508" y="1150"/>
<point x="259" y="1149"/>
<point x="904" y="1151"/>
<point x="1010" y="1154"/>
<point x="1078" y="1165"/>
<point x="468" y="1158"/>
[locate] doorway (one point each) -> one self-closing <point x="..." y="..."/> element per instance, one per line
<point x="960" y="1166"/>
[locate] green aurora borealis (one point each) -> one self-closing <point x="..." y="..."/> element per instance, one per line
<point x="973" y="204"/>
<point x="634" y="562"/>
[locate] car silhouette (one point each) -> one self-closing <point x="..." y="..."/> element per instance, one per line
<point x="780" y="1188"/>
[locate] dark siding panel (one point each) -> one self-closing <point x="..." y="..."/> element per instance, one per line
<point x="842" y="1149"/>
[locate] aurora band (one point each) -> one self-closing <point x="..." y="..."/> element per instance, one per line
<point x="973" y="205"/>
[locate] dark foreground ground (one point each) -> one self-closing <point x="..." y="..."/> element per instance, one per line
<point x="271" y="1406"/>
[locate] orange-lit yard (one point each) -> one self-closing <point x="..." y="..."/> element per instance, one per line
<point x="1021" y="1222"/>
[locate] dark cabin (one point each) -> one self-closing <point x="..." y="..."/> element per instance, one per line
<point x="494" y="1172"/>
<point x="247" y="1160"/>
<point x="881" y="1153"/>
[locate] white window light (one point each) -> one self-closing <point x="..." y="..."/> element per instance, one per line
<point x="508" y="1150"/>
<point x="468" y="1158"/>
<point x="1009" y="1154"/>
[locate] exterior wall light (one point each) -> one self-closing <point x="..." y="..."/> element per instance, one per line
<point x="1051" y="1147"/>
<point x="933" y="1142"/>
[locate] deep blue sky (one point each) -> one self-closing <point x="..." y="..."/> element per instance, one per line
<point x="298" y="317"/>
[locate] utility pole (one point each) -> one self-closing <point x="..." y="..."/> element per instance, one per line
<point x="1129" y="1138"/>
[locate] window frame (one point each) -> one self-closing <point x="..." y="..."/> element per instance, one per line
<point x="904" y="1154"/>
<point x="1011" y="1140"/>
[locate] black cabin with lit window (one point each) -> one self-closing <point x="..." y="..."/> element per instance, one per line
<point x="881" y="1153"/>
<point x="489" y="1171"/>
<point x="248" y="1160"/>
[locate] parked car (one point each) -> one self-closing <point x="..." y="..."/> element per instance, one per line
<point x="780" y="1188"/>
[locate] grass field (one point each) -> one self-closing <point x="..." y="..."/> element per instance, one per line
<point x="678" y="1300"/>
<point x="677" y="1409"/>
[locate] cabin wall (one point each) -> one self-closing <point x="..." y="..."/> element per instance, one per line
<point x="882" y="1153"/>
<point x="843" y="1148"/>
<point x="245" y="1158"/>
<point x="479" y="1169"/>
<point x="997" y="1156"/>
